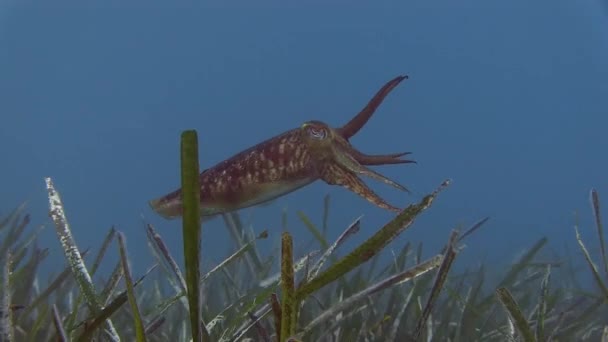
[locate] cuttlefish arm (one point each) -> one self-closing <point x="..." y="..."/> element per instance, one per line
<point x="355" y="124"/>
<point x="380" y="159"/>
<point x="345" y="158"/>
<point x="338" y="175"/>
<point x="340" y="162"/>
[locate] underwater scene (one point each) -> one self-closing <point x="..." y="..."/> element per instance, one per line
<point x="287" y="171"/>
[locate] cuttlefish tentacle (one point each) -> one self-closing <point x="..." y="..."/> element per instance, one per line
<point x="337" y="175"/>
<point x="287" y="162"/>
<point x="355" y="124"/>
<point x="346" y="159"/>
<point x="380" y="159"/>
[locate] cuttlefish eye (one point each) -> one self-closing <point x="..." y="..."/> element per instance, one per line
<point x="316" y="132"/>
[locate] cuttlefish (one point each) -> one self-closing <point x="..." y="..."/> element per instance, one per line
<point x="290" y="161"/>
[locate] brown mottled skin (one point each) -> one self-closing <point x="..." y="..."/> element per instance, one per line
<point x="289" y="161"/>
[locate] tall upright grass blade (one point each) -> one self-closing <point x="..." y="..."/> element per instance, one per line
<point x="407" y="275"/>
<point x="7" y="332"/>
<point x="442" y="274"/>
<point x="154" y="325"/>
<point x="164" y="255"/>
<point x="473" y="228"/>
<point x="371" y="246"/>
<point x="106" y="291"/>
<point x="241" y="332"/>
<point x="46" y="293"/>
<point x="238" y="233"/>
<point x="325" y="221"/>
<point x="352" y="229"/>
<point x="313" y="229"/>
<point x="515" y="271"/>
<point x="298" y="265"/>
<point x="19" y="248"/>
<point x="192" y="228"/>
<point x="288" y="302"/>
<point x="140" y="335"/>
<point x="541" y="316"/>
<point x="392" y="335"/>
<point x="516" y="314"/>
<point x="13" y="235"/>
<point x="262" y="333"/>
<point x="168" y="263"/>
<point x="61" y="335"/>
<point x="12" y="217"/>
<point x="275" y="304"/>
<point x="95" y="322"/>
<point x="25" y="276"/>
<point x="594" y="271"/>
<point x="73" y="256"/>
<point x="102" y="250"/>
<point x="321" y="238"/>
<point x="240" y="252"/>
<point x="112" y="283"/>
<point x="38" y="326"/>
<point x="595" y="205"/>
<point x="517" y="267"/>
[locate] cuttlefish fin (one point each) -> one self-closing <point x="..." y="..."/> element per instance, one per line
<point x="335" y="174"/>
<point x="170" y="207"/>
<point x="167" y="207"/>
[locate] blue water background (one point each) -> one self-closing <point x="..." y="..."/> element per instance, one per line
<point x="509" y="99"/>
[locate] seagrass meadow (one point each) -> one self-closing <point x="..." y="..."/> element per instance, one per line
<point x="317" y="296"/>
